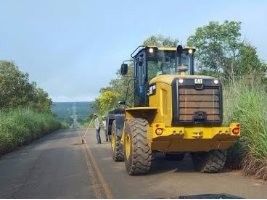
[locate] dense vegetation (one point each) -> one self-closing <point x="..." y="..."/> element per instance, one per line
<point x="222" y="53"/>
<point x="25" y="109"/>
<point x="245" y="102"/>
<point x="22" y="125"/>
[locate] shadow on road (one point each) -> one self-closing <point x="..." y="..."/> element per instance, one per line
<point x="160" y="164"/>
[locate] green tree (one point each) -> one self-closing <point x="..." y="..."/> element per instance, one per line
<point x="217" y="45"/>
<point x="221" y="51"/>
<point x="124" y="86"/>
<point x="119" y="89"/>
<point x="41" y="100"/>
<point x="248" y="61"/>
<point x="160" y="41"/>
<point x="17" y="91"/>
<point x="106" y="101"/>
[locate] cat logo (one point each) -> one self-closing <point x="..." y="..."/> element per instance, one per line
<point x="198" y="81"/>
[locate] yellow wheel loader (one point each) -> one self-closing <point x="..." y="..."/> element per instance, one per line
<point x="174" y="112"/>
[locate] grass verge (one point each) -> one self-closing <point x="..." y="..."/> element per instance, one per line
<point x="21" y="126"/>
<point x="245" y="102"/>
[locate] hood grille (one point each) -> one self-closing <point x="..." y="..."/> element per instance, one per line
<point x="192" y="101"/>
<point x="197" y="105"/>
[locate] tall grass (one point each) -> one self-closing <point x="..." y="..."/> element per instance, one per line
<point x="245" y="102"/>
<point x="21" y="126"/>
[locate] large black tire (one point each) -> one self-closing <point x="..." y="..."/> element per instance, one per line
<point x="209" y="162"/>
<point x="137" y="152"/>
<point x="116" y="146"/>
<point x="174" y="156"/>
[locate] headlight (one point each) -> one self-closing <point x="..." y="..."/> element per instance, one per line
<point x="190" y="51"/>
<point x="216" y="81"/>
<point x="181" y="81"/>
<point x="150" y="50"/>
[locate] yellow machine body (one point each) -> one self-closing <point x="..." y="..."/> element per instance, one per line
<point x="165" y="137"/>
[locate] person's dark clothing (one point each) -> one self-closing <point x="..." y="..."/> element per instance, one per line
<point x="98" y="138"/>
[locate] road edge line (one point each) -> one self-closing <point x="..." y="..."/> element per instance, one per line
<point x="98" y="173"/>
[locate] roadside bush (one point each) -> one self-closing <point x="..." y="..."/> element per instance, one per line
<point x="21" y="126"/>
<point x="245" y="102"/>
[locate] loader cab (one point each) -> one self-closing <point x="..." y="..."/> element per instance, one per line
<point x="151" y="61"/>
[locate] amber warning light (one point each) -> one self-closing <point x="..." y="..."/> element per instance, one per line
<point x="236" y="130"/>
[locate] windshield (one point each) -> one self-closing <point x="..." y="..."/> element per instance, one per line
<point x="167" y="62"/>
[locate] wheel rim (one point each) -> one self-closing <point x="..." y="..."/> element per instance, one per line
<point x="128" y="145"/>
<point x="113" y="141"/>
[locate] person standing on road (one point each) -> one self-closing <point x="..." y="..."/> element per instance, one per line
<point x="97" y="127"/>
<point x="104" y="127"/>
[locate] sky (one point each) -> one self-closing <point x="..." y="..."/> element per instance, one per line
<point x="72" y="48"/>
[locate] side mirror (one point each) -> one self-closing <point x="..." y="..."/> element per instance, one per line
<point x="179" y="49"/>
<point x="124" y="69"/>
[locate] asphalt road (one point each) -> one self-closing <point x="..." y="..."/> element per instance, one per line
<point x="52" y="167"/>
<point x="59" y="166"/>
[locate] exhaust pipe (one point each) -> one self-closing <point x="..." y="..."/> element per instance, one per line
<point x="191" y="63"/>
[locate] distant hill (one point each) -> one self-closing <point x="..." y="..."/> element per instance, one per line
<point x="65" y="111"/>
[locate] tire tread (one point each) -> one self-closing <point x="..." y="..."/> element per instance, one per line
<point x="141" y="152"/>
